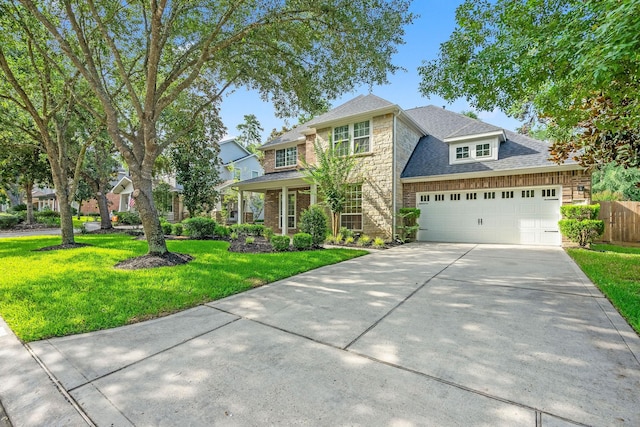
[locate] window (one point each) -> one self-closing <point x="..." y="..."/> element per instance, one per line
<point x="291" y="210"/>
<point x="472" y="196"/>
<point x="490" y="195"/>
<point x="344" y="144"/>
<point x="439" y="197"/>
<point x="255" y="174"/>
<point x="286" y="157"/>
<point x="454" y="196"/>
<point x="549" y="192"/>
<point x="424" y="197"/>
<point x="526" y="194"/>
<point x="507" y="194"/>
<point x="351" y="217"/>
<point x="483" y="150"/>
<point x="462" y="153"/>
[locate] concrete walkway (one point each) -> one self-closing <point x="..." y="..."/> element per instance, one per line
<point x="422" y="334"/>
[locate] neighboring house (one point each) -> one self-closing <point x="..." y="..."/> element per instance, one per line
<point x="237" y="164"/>
<point x="473" y="182"/>
<point x="123" y="189"/>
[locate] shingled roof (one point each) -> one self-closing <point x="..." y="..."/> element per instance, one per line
<point x="431" y="155"/>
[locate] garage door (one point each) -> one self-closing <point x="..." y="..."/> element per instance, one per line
<point x="526" y="216"/>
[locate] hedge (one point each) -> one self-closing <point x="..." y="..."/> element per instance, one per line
<point x="280" y="243"/>
<point x="302" y="241"/>
<point x="8" y="221"/>
<point x="199" y="227"/>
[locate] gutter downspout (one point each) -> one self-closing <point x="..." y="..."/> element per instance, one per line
<point x="393" y="180"/>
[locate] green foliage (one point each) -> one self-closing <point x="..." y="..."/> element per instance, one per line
<point x="612" y="180"/>
<point x="408" y="226"/>
<point x="166" y="226"/>
<point x="128" y="218"/>
<point x="222" y="231"/>
<point x="280" y="243"/>
<point x="177" y="229"/>
<point x="91" y="295"/>
<point x="345" y="232"/>
<point x="579" y="223"/>
<point x="364" y="240"/>
<point x="233" y="235"/>
<point x="349" y="240"/>
<point x="572" y="65"/>
<point x="8" y="220"/>
<point x="250" y="133"/>
<point x="267" y="233"/>
<point x="314" y="222"/>
<point x="249" y="240"/>
<point x="199" y="227"/>
<point x="302" y="241"/>
<point x="580" y="212"/>
<point x="378" y="242"/>
<point x="337" y="239"/>
<point x="607" y="196"/>
<point x="248" y="229"/>
<point x="162" y="197"/>
<point x="19" y="207"/>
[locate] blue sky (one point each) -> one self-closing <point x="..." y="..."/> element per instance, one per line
<point x="422" y="41"/>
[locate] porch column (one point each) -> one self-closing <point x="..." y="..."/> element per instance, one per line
<point x="240" y="207"/>
<point x="284" y="204"/>
<point x="314" y="194"/>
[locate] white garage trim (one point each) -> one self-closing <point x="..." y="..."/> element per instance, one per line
<point x="519" y="215"/>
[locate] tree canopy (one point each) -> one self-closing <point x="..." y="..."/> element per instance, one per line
<point x="140" y="58"/>
<point x="573" y="65"/>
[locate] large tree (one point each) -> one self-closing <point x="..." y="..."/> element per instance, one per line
<point x="294" y="52"/>
<point x="573" y="65"/>
<point x="250" y="133"/>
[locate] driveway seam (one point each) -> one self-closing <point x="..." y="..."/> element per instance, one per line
<point x="151" y="355"/>
<point x="377" y="322"/>
<point x="527" y="288"/>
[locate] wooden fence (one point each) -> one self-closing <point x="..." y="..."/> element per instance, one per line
<point x="621" y="221"/>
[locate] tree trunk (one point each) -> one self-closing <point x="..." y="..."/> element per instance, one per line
<point x="79" y="209"/>
<point x="28" y="188"/>
<point x="61" y="184"/>
<point x="335" y="223"/>
<point x="103" y="206"/>
<point x="143" y="197"/>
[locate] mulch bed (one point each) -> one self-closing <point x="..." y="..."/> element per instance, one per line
<point x="259" y="246"/>
<point x="170" y="259"/>
<point x="58" y="247"/>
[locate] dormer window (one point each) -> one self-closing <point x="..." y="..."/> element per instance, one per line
<point x="462" y="153"/>
<point x="483" y="150"/>
<point x="286" y="157"/>
<point x="352" y="138"/>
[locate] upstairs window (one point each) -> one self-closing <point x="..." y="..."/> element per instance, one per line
<point x="462" y="152"/>
<point x="352" y="138"/>
<point x="287" y="157"/>
<point x="483" y="150"/>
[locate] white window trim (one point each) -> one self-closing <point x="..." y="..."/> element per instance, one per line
<point x="275" y="157"/>
<point x="352" y="213"/>
<point x="295" y="210"/>
<point x="352" y="138"/>
<point x="473" y="152"/>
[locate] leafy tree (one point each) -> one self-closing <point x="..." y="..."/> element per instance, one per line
<point x="470" y="113"/>
<point x="250" y="133"/>
<point x="162" y="197"/>
<point x="616" y="179"/>
<point x="572" y="65"/>
<point x="139" y="58"/>
<point x="83" y="193"/>
<point x="333" y="173"/>
<point x="276" y="133"/>
<point x="309" y="115"/>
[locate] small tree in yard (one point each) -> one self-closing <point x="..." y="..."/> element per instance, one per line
<point x="314" y="222"/>
<point x="333" y="175"/>
<point x="580" y="223"/>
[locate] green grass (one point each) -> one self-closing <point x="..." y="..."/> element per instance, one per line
<point x="616" y="272"/>
<point x="57" y="293"/>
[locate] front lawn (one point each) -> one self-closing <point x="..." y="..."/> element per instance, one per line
<point x="616" y="272"/>
<point x="56" y="293"/>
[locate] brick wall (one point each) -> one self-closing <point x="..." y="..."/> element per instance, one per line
<point x="272" y="208"/>
<point x="569" y="180"/>
<point x="91" y="206"/>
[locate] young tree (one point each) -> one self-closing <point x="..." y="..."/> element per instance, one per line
<point x="140" y="57"/>
<point x="333" y="173"/>
<point x="250" y="133"/>
<point x="572" y="65"/>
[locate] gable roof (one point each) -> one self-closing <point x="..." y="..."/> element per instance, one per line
<point x="431" y="156"/>
<point x="361" y="104"/>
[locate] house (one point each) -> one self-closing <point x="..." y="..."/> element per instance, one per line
<point x="472" y="181"/>
<point x="237" y="164"/>
<point x="123" y="190"/>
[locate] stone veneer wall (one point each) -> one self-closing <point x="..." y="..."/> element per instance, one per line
<point x="569" y="180"/>
<point x="406" y="141"/>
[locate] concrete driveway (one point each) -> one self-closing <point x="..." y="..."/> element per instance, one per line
<point x="422" y="334"/>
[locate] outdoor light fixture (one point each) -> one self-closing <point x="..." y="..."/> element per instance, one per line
<point x="580" y="187"/>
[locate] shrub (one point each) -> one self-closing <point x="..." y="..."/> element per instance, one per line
<point x="408" y="226"/>
<point x="338" y="239"/>
<point x="19" y="207"/>
<point x="348" y="240"/>
<point x="8" y="220"/>
<point x="280" y="243"/>
<point x="364" y="240"/>
<point x="177" y="229"/>
<point x="302" y="241"/>
<point x="222" y="231"/>
<point x="581" y="232"/>
<point x="267" y="233"/>
<point x="233" y="235"/>
<point x="314" y="221"/>
<point x="166" y="227"/>
<point x="248" y="229"/>
<point x="51" y="218"/>
<point x="345" y="232"/>
<point x="378" y="242"/>
<point x="580" y="212"/>
<point x="329" y="240"/>
<point x="579" y="223"/>
<point x="128" y="218"/>
<point x="199" y="227"/>
<point x="249" y="240"/>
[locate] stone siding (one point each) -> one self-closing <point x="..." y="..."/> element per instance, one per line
<point x="406" y="141"/>
<point x="569" y="180"/>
